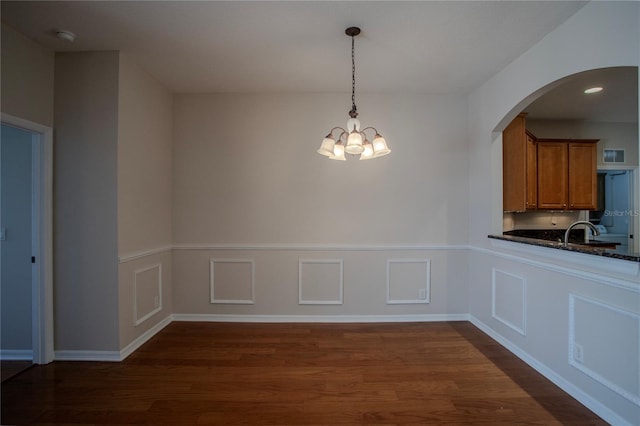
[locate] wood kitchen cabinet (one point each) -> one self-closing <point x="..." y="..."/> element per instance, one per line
<point x="549" y="174"/>
<point x="519" y="170"/>
<point x="567" y="175"/>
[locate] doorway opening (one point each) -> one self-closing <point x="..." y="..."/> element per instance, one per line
<point x="40" y="246"/>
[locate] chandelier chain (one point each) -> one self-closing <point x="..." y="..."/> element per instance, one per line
<point x="353" y="76"/>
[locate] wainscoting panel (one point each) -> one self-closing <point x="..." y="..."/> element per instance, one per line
<point x="602" y="336"/>
<point x="231" y="281"/>
<point x="320" y="282"/>
<point x="147" y="293"/>
<point x="337" y="282"/>
<point x="408" y="281"/>
<point x="509" y="300"/>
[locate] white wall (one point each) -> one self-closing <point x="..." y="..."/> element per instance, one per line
<point x="27" y="78"/>
<point x="85" y="191"/>
<point x="16" y="248"/>
<point x="513" y="288"/>
<point x="246" y="175"/>
<point x="144" y="201"/>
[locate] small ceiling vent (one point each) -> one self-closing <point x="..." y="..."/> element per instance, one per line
<point x="613" y="156"/>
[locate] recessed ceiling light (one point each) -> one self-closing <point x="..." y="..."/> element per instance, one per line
<point x="65" y="35"/>
<point x="593" y="90"/>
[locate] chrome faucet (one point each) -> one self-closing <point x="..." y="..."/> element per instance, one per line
<point x="580" y="222"/>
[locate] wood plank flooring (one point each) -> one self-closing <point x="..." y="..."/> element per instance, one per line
<point x="297" y="374"/>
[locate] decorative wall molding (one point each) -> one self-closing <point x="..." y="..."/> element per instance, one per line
<point x="251" y="284"/>
<point x="319" y="247"/>
<point x="427" y="283"/>
<point x="340" y="284"/>
<point x="16" y="354"/>
<point x="137" y="321"/>
<point x="634" y="398"/>
<point x="128" y="257"/>
<point x="320" y="318"/>
<point x="585" y="399"/>
<point x="590" y="276"/>
<point x="522" y="327"/>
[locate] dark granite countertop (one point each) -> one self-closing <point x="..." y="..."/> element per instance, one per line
<point x="574" y="247"/>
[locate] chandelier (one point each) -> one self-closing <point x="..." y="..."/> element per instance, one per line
<point x="353" y="140"/>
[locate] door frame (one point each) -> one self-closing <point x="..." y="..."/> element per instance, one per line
<point x="42" y="236"/>
<point x="634" y="201"/>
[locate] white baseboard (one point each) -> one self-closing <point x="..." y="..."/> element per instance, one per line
<point x="584" y="398"/>
<point x="143" y="338"/>
<point x="113" y="356"/>
<point x="320" y="318"/>
<point x="16" y="354"/>
<point x="109" y="356"/>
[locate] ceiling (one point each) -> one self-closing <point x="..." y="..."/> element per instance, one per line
<point x="616" y="103"/>
<point x="242" y="46"/>
<point x="447" y="47"/>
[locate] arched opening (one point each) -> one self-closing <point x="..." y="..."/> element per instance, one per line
<point x="562" y="112"/>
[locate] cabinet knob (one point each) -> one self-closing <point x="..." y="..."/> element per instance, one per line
<point x="564" y="205"/>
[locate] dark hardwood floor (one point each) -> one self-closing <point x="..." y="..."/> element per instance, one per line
<point x="8" y="369"/>
<point x="297" y="374"/>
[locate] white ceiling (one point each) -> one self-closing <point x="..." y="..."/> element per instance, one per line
<point x="618" y="101"/>
<point x="237" y="46"/>
<point x="265" y="46"/>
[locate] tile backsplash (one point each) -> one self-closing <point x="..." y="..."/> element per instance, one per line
<point x="541" y="219"/>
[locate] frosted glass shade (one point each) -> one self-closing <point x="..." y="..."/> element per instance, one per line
<point x="326" y="147"/>
<point x="338" y="152"/>
<point x="380" y="146"/>
<point x="354" y="143"/>
<point x="367" y="152"/>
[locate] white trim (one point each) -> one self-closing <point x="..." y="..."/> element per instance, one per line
<point x="585" y="399"/>
<point x="16" y="354"/>
<point x="213" y="299"/>
<point x="427" y="284"/>
<point x="319" y="318"/>
<point x="340" y="299"/>
<point x="42" y="285"/>
<point x="128" y="257"/>
<point x="317" y="247"/>
<point x="598" y="278"/>
<point x="108" y="356"/>
<point x="144" y="338"/>
<point x="522" y="330"/>
<point x="137" y="321"/>
<point x="579" y="260"/>
<point x="589" y="372"/>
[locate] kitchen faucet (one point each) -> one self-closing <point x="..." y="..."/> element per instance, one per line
<point x="580" y="222"/>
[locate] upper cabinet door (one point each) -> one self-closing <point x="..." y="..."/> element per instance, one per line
<point x="552" y="175"/>
<point x="583" y="177"/>
<point x="514" y="166"/>
<point x="532" y="173"/>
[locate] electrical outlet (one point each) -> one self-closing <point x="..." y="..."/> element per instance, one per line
<point x="578" y="352"/>
<point x="422" y="293"/>
<point x="156" y="301"/>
